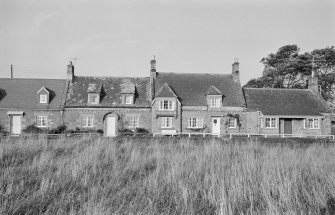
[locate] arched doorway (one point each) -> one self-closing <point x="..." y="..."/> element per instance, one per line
<point x="110" y="124"/>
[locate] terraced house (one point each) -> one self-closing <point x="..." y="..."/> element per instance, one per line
<point x="163" y="103"/>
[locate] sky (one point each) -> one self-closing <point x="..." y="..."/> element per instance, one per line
<point x="120" y="37"/>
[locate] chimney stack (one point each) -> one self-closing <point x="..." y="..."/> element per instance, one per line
<point x="153" y="75"/>
<point x="313" y="83"/>
<point x="236" y="71"/>
<point x="70" y="71"/>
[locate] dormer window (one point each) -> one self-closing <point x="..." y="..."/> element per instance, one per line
<point x="129" y="99"/>
<point x="43" y="98"/>
<point x="215" y="102"/>
<point x="93" y="93"/>
<point x="93" y="99"/>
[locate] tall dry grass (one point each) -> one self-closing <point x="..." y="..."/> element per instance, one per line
<point x="164" y="176"/>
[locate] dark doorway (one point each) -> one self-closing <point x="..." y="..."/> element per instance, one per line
<point x="287" y="126"/>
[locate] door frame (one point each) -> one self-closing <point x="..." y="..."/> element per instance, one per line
<point x="11" y="116"/>
<point x="219" y="125"/>
<point x="105" y="119"/>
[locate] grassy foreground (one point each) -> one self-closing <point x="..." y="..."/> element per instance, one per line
<point x="152" y="176"/>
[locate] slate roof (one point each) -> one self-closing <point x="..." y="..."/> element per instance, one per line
<point x="289" y="102"/>
<point x="112" y="90"/>
<point x="22" y="93"/>
<point x="191" y="88"/>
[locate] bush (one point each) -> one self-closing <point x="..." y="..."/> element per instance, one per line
<point x="32" y="129"/>
<point x="61" y="129"/>
<point x="141" y="131"/>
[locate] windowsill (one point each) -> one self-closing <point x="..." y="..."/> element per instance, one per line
<point x="271" y="128"/>
<point x="312" y="128"/>
<point x="166" y="109"/>
<point x="41" y="126"/>
<point x="232" y="127"/>
<point x="87" y="126"/>
<point x="166" y="128"/>
<point x="194" y="127"/>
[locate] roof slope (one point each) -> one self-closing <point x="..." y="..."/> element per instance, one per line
<point x="22" y="93"/>
<point x="111" y="92"/>
<point x="191" y="88"/>
<point x="294" y="102"/>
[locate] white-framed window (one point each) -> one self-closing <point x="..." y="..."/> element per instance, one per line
<point x="134" y="121"/>
<point x="270" y="122"/>
<point x="232" y="122"/>
<point x="43" y="98"/>
<point x="93" y="99"/>
<point x="86" y="121"/>
<point x="312" y="123"/>
<point x="42" y="121"/>
<point x="166" y="122"/>
<point x="215" y="102"/>
<point x="128" y="100"/>
<point x="195" y="122"/>
<point x="166" y="105"/>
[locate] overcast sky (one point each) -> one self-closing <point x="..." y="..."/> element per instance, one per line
<point x="119" y="38"/>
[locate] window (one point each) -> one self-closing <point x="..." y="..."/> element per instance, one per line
<point x="41" y="121"/>
<point x="128" y="100"/>
<point x="43" y="98"/>
<point x="166" y="105"/>
<point x="195" y="122"/>
<point x="133" y="121"/>
<point x="231" y="122"/>
<point x="93" y="99"/>
<point x="166" y="122"/>
<point x="87" y="121"/>
<point x="270" y="122"/>
<point x="214" y="102"/>
<point x="312" y="123"/>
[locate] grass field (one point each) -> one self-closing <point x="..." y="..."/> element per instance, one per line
<point x="165" y="176"/>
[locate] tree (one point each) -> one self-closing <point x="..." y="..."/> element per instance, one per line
<point x="288" y="69"/>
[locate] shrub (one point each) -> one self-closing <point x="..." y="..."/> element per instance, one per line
<point x="32" y="129"/>
<point x="61" y="129"/>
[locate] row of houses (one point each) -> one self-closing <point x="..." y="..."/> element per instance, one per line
<point x="164" y="103"/>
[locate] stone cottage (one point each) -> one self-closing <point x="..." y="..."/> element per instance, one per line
<point x="25" y="102"/>
<point x="197" y="103"/>
<point x="288" y="111"/>
<point x="109" y="104"/>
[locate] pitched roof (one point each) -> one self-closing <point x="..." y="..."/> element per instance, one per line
<point x="22" y="93"/>
<point x="191" y="88"/>
<point x="165" y="91"/>
<point x="213" y="91"/>
<point x="294" y="102"/>
<point x="112" y="91"/>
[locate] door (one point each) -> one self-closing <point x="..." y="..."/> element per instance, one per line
<point x="287" y="126"/>
<point x="16" y="124"/>
<point x="110" y="126"/>
<point x="216" y="126"/>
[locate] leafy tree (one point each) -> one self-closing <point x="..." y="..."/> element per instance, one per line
<point x="287" y="68"/>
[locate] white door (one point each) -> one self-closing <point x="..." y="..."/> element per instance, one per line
<point x="16" y="124"/>
<point x="110" y="126"/>
<point x="216" y="126"/>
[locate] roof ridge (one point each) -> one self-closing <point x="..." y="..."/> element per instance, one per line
<point x="81" y="76"/>
<point x="49" y="79"/>
<point x="184" y="73"/>
<point x="269" y="88"/>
